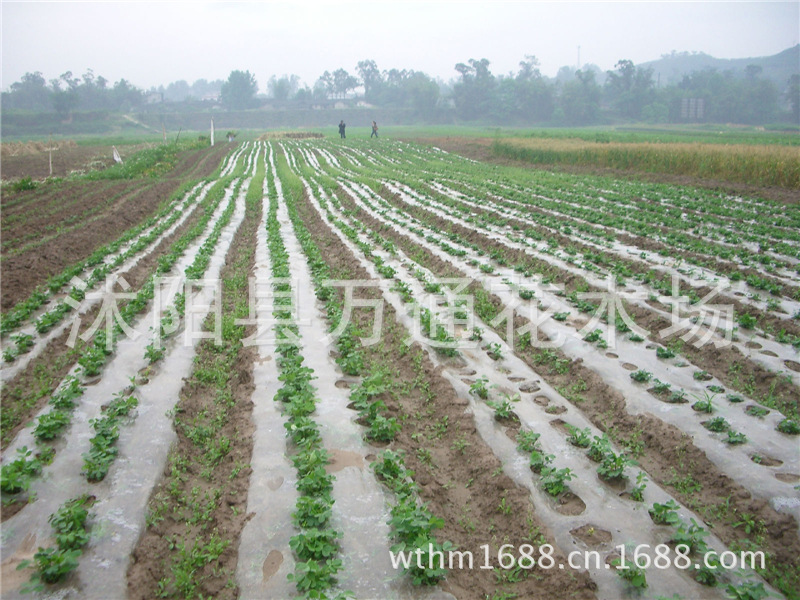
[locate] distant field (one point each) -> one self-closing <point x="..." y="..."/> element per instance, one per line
<point x="777" y="165"/>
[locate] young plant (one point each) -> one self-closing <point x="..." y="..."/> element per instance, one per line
<point x="578" y="437"/>
<point x="613" y="466"/>
<point x="747" y="321"/>
<point x="659" y="387"/>
<point x="599" y="448"/>
<point x="539" y="460"/>
<point x="704" y="405"/>
<point x="665" y="514"/>
<point x="734" y="438"/>
<point x="15" y="476"/>
<point x="691" y="536"/>
<point x="701" y="375"/>
<point x="554" y="481"/>
<point x="632" y="573"/>
<point x="503" y="410"/>
<point x="717" y="425"/>
<point x="479" y="388"/>
<point x="677" y="397"/>
<point x="383" y="429"/>
<point x="641" y="376"/>
<point x="637" y="493"/>
<point x="756" y="411"/>
<point x="315" y="544"/>
<point x="665" y="353"/>
<point x="746" y="590"/>
<point x="527" y="440"/>
<point x="495" y="351"/>
<point x="789" y="427"/>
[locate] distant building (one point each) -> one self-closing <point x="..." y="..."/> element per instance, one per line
<point x="693" y="109"/>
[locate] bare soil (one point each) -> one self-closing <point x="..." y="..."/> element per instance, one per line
<point x="21" y="273"/>
<point x="65" y="161"/>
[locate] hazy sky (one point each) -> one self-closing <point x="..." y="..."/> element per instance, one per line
<point x="152" y="43"/>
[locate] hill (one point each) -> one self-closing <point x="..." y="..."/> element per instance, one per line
<point x="672" y="67"/>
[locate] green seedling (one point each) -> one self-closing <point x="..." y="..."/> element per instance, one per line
<point x="554" y="481"/>
<point x="637" y="493"/>
<point x="789" y="427"/>
<point x="479" y="388"/>
<point x="495" y="351"/>
<point x="665" y="514"/>
<point x="632" y="573"/>
<point x="527" y="440"/>
<point x="717" y="425"/>
<point x="735" y="438"/>
<point x="578" y="437"/>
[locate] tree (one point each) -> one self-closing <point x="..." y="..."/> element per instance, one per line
<point x="629" y="89"/>
<point x="529" y="68"/>
<point x="29" y="92"/>
<point x="343" y="82"/>
<point x="127" y="96"/>
<point x="284" y="88"/>
<point x="580" y="99"/>
<point x="370" y="77"/>
<point x="177" y="91"/>
<point x="530" y="95"/>
<point x="474" y="94"/>
<point x="239" y="91"/>
<point x="323" y="88"/>
<point x="64" y="102"/>
<point x="423" y="92"/>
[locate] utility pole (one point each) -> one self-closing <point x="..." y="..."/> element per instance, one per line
<point x="579" y="59"/>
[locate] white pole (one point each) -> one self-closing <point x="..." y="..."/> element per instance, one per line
<point x="212" y="131"/>
<point x="50" y="149"/>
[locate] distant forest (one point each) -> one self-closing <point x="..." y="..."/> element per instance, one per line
<point x="751" y="91"/>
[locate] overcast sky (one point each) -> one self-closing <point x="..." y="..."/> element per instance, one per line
<point x="153" y="43"/>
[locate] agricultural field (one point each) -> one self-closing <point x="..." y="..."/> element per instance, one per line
<point x="328" y="368"/>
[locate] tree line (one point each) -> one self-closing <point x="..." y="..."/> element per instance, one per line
<point x="574" y="97"/>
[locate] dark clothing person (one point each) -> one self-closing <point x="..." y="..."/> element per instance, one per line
<point x="341" y="129"/>
<point x="374" y="130"/>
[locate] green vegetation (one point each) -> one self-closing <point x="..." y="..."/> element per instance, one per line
<point x="767" y="165"/>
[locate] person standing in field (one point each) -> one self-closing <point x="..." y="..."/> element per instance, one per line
<point x="374" y="130"/>
<point x="341" y="128"/>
